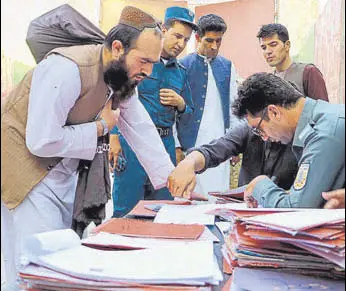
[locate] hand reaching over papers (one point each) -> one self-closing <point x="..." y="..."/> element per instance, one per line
<point x="182" y="180"/>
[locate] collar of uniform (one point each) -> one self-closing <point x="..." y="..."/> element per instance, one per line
<point x="304" y="120"/>
<point x="170" y="62"/>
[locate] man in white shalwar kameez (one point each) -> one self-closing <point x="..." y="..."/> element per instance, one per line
<point x="213" y="84"/>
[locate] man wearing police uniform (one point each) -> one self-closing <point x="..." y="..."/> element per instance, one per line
<point x="165" y="95"/>
<point x="276" y="111"/>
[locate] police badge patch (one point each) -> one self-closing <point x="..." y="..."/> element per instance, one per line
<point x="301" y="177"/>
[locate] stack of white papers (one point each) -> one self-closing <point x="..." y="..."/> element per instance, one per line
<point x="192" y="264"/>
<point x="41" y="278"/>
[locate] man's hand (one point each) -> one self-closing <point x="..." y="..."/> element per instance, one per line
<point x="179" y="155"/>
<point x="335" y="199"/>
<point x="114" y="151"/>
<point x="169" y="97"/>
<point x="251" y="202"/>
<point x="182" y="180"/>
<point x="110" y="116"/>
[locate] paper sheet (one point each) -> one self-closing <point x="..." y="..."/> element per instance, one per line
<point x="104" y="239"/>
<point x="162" y="265"/>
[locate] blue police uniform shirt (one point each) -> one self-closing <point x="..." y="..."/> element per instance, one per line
<point x="319" y="146"/>
<point x="171" y="75"/>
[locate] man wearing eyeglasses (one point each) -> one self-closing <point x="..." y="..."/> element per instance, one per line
<point x="316" y="129"/>
<point x="276" y="111"/>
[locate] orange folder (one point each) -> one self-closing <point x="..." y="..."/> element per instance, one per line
<point x="148" y="229"/>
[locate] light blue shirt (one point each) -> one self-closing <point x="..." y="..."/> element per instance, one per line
<point x="319" y="145"/>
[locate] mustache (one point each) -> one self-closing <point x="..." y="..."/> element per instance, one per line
<point x="145" y="76"/>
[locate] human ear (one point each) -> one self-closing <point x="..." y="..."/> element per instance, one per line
<point x="274" y="112"/>
<point x="288" y="44"/>
<point x="117" y="49"/>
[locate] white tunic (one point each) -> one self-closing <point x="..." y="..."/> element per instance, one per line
<point x="54" y="90"/>
<point x="212" y="127"/>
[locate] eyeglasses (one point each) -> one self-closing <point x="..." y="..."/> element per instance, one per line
<point x="257" y="131"/>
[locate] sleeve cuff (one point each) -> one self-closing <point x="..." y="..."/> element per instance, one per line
<point x="206" y="157"/>
<point x="261" y="189"/>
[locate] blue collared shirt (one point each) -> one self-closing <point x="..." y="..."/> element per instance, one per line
<point x="171" y="75"/>
<point x="319" y="145"/>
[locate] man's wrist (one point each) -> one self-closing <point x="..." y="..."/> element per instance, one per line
<point x="105" y="126"/>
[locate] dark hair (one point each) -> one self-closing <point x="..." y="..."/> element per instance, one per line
<point x="171" y="21"/>
<point x="126" y="34"/>
<point x="210" y="22"/>
<point x="269" y="30"/>
<point x="262" y="89"/>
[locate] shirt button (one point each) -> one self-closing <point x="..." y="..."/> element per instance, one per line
<point x="204" y="86"/>
<point x="205" y="74"/>
<point x="198" y="121"/>
<point x="201" y="108"/>
<point x="203" y="96"/>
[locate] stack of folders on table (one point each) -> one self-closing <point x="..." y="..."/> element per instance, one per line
<point x="59" y="261"/>
<point x="310" y="242"/>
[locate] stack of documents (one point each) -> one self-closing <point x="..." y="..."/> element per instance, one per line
<point x="161" y="268"/>
<point x="308" y="241"/>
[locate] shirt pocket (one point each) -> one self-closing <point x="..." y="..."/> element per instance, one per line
<point x="150" y="86"/>
<point x="167" y="113"/>
<point x="172" y="83"/>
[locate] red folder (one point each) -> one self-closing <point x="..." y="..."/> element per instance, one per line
<point x="140" y="228"/>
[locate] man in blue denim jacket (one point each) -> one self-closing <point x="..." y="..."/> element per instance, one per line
<point x="166" y="96"/>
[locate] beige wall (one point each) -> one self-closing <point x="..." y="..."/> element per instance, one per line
<point x="300" y="17"/>
<point x="330" y="48"/>
<point x="244" y="19"/>
<point x="111" y="9"/>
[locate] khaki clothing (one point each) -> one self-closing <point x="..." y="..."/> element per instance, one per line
<point x="21" y="170"/>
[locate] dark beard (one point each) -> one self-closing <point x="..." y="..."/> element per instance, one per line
<point x="116" y="77"/>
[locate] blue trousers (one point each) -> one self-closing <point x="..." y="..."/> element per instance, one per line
<point x="133" y="184"/>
